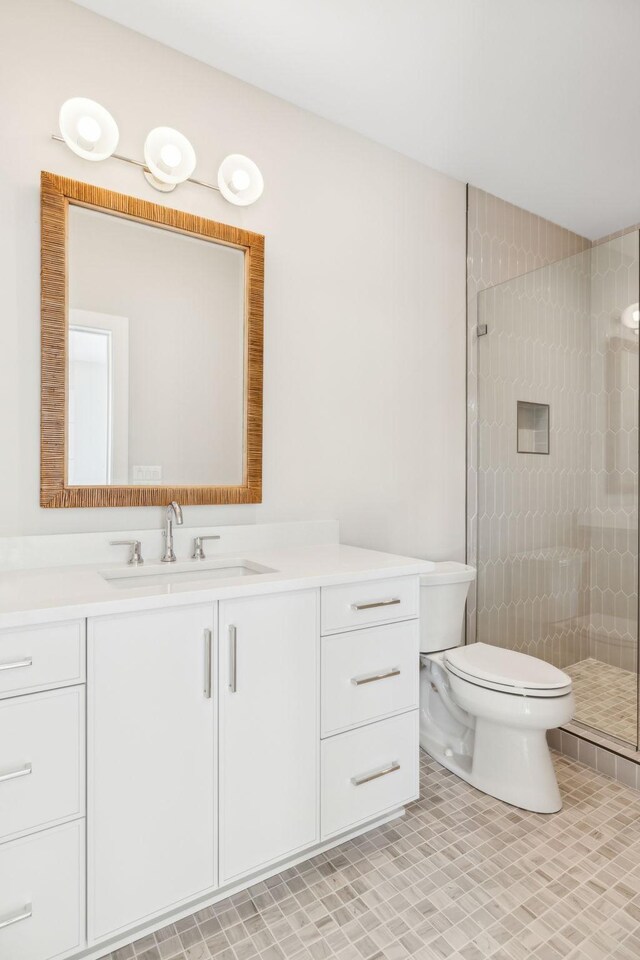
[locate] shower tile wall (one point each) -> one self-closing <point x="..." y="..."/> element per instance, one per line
<point x="533" y="576"/>
<point x="504" y="242"/>
<point x="612" y="523"/>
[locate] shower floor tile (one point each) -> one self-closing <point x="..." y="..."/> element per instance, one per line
<point x="606" y="697"/>
<point x="461" y="877"/>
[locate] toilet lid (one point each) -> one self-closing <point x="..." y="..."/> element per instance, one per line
<point x="507" y="668"/>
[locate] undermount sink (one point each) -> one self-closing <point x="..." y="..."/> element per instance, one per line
<point x="179" y="574"/>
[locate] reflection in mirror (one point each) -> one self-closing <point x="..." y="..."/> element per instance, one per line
<point x="89" y="406"/>
<point x="98" y="407"/>
<point x="155" y="350"/>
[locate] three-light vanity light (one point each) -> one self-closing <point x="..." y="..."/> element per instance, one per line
<point x="169" y="158"/>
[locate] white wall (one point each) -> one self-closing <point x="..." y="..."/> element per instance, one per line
<point x="365" y="280"/>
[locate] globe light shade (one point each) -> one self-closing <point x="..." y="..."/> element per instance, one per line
<point x="240" y="180"/>
<point x="169" y="157"/>
<point x="88" y="129"/>
<point x="631" y="316"/>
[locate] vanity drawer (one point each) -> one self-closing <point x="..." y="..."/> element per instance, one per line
<point x="42" y="894"/>
<point x="368" y="772"/>
<point x="351" y="605"/>
<point x="35" y="658"/>
<point x="41" y="760"/>
<point x="369" y="674"/>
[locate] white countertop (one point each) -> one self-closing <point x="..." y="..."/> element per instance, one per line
<point x="31" y="596"/>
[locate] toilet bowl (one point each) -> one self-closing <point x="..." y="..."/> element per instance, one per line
<point x="485" y="711"/>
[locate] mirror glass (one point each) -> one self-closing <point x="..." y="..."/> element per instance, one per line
<point x="156" y="355"/>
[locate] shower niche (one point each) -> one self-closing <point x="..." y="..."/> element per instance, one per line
<point x="533" y="427"/>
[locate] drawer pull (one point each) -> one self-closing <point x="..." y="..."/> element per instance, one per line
<point x="233" y="659"/>
<point x="14" y="664"/>
<point x="14" y="774"/>
<point x="24" y="914"/>
<point x="368" y="777"/>
<point x="208" y="639"/>
<point x="372" y="677"/>
<point x="376" y="603"/>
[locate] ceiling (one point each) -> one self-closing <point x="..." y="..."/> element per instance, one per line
<point x="536" y="101"/>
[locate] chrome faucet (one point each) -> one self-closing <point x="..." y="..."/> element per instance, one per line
<point x="174" y="512"/>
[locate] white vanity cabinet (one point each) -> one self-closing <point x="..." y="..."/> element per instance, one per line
<point x="228" y="736"/>
<point x="151" y="786"/>
<point x="268" y="687"/>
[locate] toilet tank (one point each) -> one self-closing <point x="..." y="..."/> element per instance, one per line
<point x="443" y="594"/>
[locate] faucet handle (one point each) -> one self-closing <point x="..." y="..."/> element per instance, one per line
<point x="198" y="552"/>
<point x="136" y="549"/>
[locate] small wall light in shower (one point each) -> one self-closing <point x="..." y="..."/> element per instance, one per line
<point x="88" y="129"/>
<point x="631" y="317"/>
<point x="240" y="180"/>
<point x="170" y="158"/>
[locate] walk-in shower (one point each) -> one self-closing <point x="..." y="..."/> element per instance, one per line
<point x="557" y="475"/>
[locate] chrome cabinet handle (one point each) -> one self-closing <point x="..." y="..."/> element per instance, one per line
<point x="368" y="777"/>
<point x="372" y="677"/>
<point x="14" y="664"/>
<point x="377" y="603"/>
<point x="24" y="914"/>
<point x="233" y="659"/>
<point x="208" y="640"/>
<point x="14" y="774"/>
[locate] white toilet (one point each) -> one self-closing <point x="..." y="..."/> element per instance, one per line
<point x="485" y="711"/>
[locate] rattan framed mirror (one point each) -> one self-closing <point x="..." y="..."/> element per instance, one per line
<point x="152" y="353"/>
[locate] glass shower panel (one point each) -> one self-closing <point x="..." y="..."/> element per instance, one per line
<point x="606" y="681"/>
<point x="558" y="475"/>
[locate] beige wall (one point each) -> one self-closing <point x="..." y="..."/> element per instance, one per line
<point x="364" y="311"/>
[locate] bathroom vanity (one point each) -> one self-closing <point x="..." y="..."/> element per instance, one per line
<point x="171" y="732"/>
<point x="167" y="738"/>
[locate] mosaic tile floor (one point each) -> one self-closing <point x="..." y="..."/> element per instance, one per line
<point x="461" y="877"/>
<point x="606" y="698"/>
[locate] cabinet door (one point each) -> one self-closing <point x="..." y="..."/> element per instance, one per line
<point x="150" y="764"/>
<point x="269" y="729"/>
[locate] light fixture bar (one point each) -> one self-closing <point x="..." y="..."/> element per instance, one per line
<point x="143" y="166"/>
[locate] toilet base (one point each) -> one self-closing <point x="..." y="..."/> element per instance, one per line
<point x="509" y="763"/>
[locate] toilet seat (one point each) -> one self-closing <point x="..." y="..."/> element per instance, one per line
<point x="506" y="671"/>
